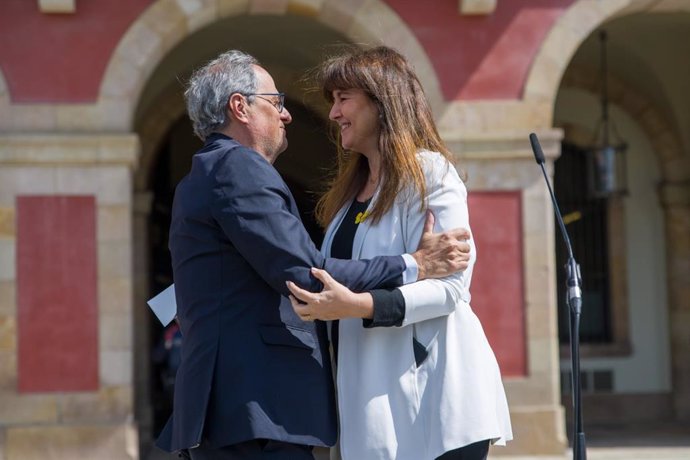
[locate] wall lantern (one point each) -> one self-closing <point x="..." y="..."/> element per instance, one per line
<point x="606" y="162"/>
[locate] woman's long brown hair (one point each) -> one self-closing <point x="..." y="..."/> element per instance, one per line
<point x="406" y="126"/>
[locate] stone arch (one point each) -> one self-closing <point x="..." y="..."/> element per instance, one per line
<point x="571" y="29"/>
<point x="168" y="22"/>
<point x="561" y="43"/>
<point x="154" y="35"/>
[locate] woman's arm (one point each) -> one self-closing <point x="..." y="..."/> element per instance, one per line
<point x="447" y="199"/>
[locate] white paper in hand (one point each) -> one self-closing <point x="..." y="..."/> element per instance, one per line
<point x="164" y="305"/>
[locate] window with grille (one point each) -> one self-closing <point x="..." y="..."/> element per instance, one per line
<point x="587" y="224"/>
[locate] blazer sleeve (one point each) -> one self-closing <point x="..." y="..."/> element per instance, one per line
<point x="256" y="211"/>
<point x="447" y="198"/>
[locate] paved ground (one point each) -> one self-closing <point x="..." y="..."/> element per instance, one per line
<point x="635" y="442"/>
<point x="593" y="453"/>
<point x="669" y="442"/>
<point x="638" y="442"/>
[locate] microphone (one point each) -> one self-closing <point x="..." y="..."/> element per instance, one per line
<point x="536" y="148"/>
<point x="572" y="268"/>
<point x="574" y="299"/>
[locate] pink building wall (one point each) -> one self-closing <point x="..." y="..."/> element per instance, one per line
<point x="61" y="58"/>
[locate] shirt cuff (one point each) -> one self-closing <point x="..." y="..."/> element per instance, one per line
<point x="389" y="308"/>
<point x="411" y="272"/>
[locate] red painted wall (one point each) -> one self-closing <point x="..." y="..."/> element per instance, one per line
<point x="61" y="57"/>
<point x="497" y="281"/>
<point x="57" y="293"/>
<point x="481" y="57"/>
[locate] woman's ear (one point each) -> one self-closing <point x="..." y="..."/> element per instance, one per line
<point x="238" y="107"/>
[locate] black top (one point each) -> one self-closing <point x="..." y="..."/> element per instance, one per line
<point x="341" y="248"/>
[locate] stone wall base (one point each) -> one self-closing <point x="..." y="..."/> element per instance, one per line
<point x="608" y="409"/>
<point x="536" y="431"/>
<point x="69" y="442"/>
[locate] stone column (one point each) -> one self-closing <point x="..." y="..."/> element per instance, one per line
<point x="675" y="199"/>
<point x="142" y="362"/>
<point x="72" y="424"/>
<point x="503" y="161"/>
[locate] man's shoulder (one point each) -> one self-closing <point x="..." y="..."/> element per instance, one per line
<point x="223" y="155"/>
<point x="226" y="149"/>
<point x="224" y="160"/>
<point x="216" y="146"/>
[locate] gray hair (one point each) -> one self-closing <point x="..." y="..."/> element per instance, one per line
<point x="211" y="86"/>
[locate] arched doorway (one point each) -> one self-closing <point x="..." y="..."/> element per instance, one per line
<point x="168" y="145"/>
<point x="141" y="92"/>
<point x="634" y="366"/>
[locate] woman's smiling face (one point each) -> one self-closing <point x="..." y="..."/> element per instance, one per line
<point x="358" y="118"/>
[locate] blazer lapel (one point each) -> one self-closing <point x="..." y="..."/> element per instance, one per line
<point x="330" y="231"/>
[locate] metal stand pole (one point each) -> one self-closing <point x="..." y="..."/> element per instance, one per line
<point x="574" y="300"/>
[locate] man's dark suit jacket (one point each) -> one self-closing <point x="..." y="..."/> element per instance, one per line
<point x="250" y="367"/>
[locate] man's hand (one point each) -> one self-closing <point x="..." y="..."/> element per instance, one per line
<point x="441" y="254"/>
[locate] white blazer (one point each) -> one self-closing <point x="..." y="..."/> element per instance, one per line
<point x="388" y="407"/>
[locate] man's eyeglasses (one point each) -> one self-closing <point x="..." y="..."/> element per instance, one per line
<point x="279" y="104"/>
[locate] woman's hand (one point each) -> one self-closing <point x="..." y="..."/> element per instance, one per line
<point x="335" y="301"/>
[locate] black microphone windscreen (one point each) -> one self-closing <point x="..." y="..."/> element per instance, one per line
<point x="536" y="148"/>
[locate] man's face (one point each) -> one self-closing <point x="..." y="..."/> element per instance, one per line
<point x="267" y="125"/>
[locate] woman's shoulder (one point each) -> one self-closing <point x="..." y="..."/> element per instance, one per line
<point x="424" y="155"/>
<point x="435" y="165"/>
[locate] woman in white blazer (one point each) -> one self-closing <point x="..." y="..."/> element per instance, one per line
<point x="416" y="377"/>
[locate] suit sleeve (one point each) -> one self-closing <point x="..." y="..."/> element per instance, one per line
<point x="252" y="205"/>
<point x="447" y="198"/>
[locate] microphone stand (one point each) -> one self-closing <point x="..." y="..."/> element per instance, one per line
<point x="574" y="300"/>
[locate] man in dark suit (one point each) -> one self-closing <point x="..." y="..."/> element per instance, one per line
<point x="255" y="380"/>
